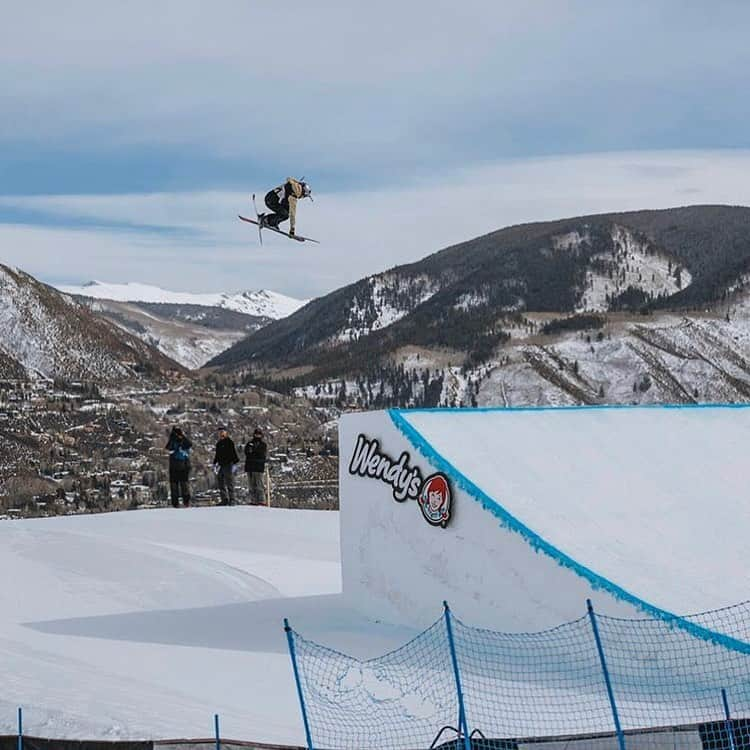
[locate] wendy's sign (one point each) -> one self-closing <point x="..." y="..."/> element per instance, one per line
<point x="433" y="494"/>
<point x="369" y="461"/>
<point x="435" y="500"/>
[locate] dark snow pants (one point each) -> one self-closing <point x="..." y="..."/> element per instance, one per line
<point x="179" y="474"/>
<point x="226" y="485"/>
<point x="256" y="487"/>
<point x="280" y="209"/>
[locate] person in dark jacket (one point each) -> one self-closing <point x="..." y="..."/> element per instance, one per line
<point x="179" y="447"/>
<point x="255" y="466"/>
<point x="282" y="202"/>
<point x="225" y="459"/>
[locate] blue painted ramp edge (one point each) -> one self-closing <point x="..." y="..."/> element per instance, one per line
<point x="513" y="524"/>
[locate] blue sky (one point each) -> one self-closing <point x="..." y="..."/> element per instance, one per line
<point x="118" y="118"/>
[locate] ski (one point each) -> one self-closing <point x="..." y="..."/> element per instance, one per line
<point x="261" y="226"/>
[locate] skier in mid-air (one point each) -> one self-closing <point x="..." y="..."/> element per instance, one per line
<point x="282" y="201"/>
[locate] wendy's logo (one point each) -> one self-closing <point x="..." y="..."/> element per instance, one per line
<point x="435" y="500"/>
<point x="405" y="480"/>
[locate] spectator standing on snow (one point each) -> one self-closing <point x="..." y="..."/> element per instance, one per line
<point x="225" y="459"/>
<point x="179" y="447"/>
<point x="255" y="466"/>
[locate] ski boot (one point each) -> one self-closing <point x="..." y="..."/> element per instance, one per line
<point x="264" y="219"/>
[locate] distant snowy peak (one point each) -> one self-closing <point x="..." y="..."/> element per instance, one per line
<point x="262" y="303"/>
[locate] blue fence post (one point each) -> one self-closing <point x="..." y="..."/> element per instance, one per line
<point x="216" y="732"/>
<point x="20" y="728"/>
<point x="462" y="723"/>
<point x="300" y="695"/>
<point x="728" y="724"/>
<point x="607" y="681"/>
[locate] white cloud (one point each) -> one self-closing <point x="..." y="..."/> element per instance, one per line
<point x="361" y="232"/>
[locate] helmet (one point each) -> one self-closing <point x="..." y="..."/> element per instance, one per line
<point x="306" y="191"/>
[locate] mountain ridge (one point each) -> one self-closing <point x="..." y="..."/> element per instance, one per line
<point x="505" y="299"/>
<point x="540" y="267"/>
<point x="47" y="333"/>
<point x="261" y="303"/>
<point x="190" y="328"/>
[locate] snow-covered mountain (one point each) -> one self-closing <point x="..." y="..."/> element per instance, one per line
<point x="460" y="297"/>
<point x="46" y="332"/>
<point x="606" y="308"/>
<point x="189" y="328"/>
<point x="188" y="334"/>
<point x="262" y="303"/>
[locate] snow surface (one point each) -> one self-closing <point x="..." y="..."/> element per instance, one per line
<point x="193" y="351"/>
<point x="641" y="496"/>
<point x="263" y="302"/>
<point x="638" y="266"/>
<point x="380" y="313"/>
<point x="36" y="333"/>
<point x="145" y="623"/>
<point x="623" y="506"/>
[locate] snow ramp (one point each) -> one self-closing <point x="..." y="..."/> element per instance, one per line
<point x="643" y="510"/>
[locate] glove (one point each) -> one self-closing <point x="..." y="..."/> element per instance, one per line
<point x="291" y="232"/>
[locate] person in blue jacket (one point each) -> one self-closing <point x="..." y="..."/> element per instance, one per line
<point x="179" y="447"/>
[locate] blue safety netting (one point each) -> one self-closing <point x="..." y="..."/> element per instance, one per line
<point x="601" y="681"/>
